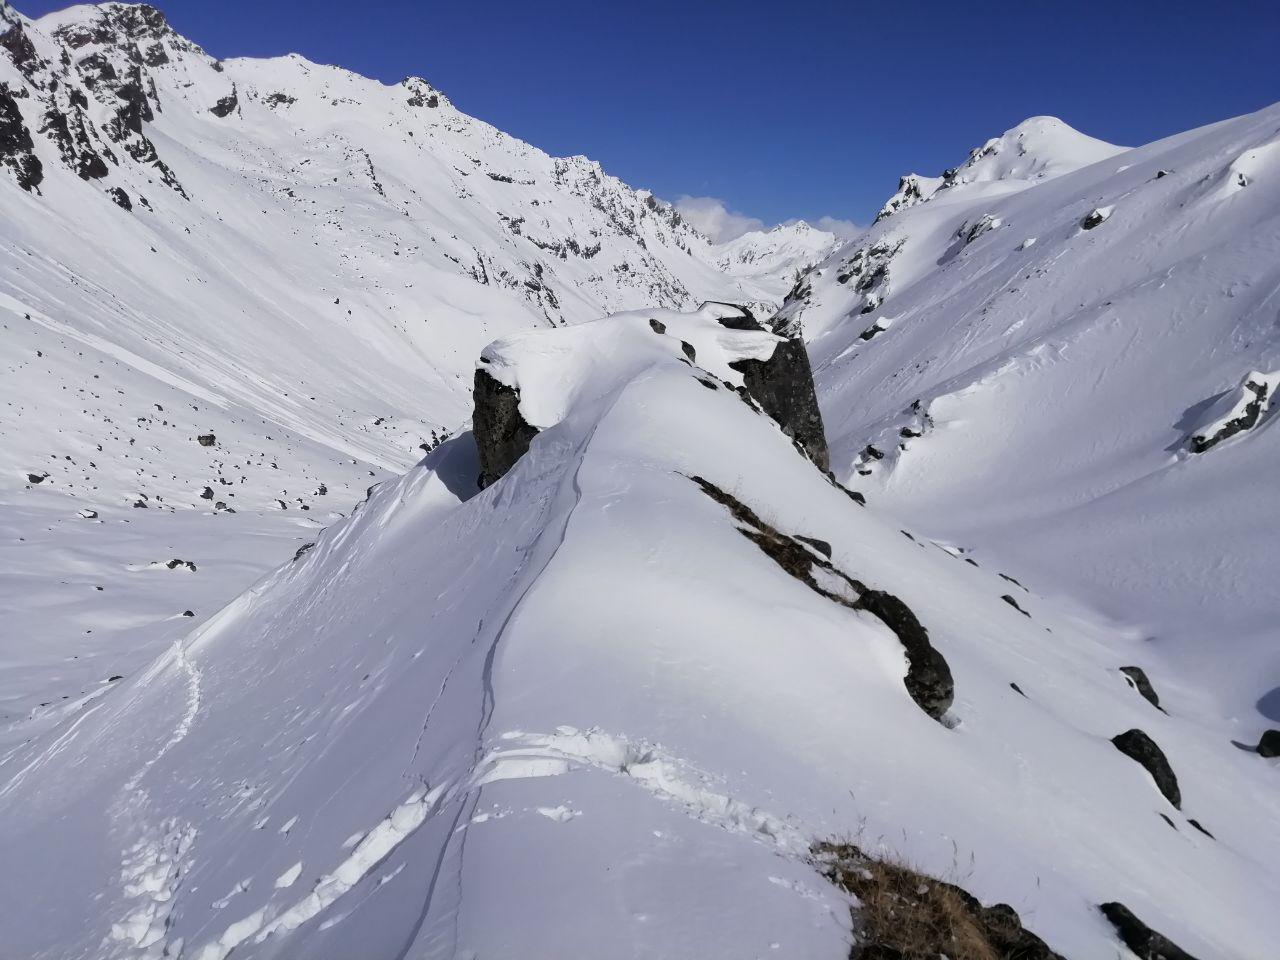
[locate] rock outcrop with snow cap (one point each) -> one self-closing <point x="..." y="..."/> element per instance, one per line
<point x="527" y="383"/>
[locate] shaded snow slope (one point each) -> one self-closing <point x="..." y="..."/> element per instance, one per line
<point x="586" y="711"/>
<point x="1024" y="372"/>
<point x="298" y="261"/>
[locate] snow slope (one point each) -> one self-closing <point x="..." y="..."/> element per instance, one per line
<point x="1028" y="367"/>
<point x="309" y="265"/>
<point x="581" y="714"/>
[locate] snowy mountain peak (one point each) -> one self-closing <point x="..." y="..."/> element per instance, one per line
<point x="1037" y="149"/>
<point x="773" y="257"/>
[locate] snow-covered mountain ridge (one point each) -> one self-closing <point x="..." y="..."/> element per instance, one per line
<point x="297" y="261"/>
<point x="608" y="704"/>
<point x="614" y="672"/>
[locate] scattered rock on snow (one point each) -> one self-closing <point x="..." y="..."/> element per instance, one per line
<point x="1008" y="598"/>
<point x="928" y="680"/>
<point x="225" y="105"/>
<point x="1138" y="937"/>
<point x="1269" y="744"/>
<point x="1095" y="217"/>
<point x="206" y="439"/>
<point x="1237" y="412"/>
<point x="1138" y="680"/>
<point x="1136" y="745"/>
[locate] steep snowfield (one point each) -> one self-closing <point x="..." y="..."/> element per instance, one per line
<point x="1030" y="368"/>
<point x="580" y="713"/>
<point x="308" y="267"/>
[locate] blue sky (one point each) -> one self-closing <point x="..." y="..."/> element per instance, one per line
<point x="798" y="109"/>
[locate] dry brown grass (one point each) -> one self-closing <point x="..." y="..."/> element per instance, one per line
<point x="905" y="914"/>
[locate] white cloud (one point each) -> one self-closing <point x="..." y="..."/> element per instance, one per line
<point x="712" y="218"/>
<point x="845" y="229"/>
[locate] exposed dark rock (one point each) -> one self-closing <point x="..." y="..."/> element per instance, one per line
<point x="114" y="677"/>
<point x="658" y="326"/>
<point x="1269" y="744"/>
<point x="1196" y="823"/>
<point x="226" y="105"/>
<point x="15" y="42"/>
<point x="1141" y="939"/>
<point x="36" y="477"/>
<point x="687" y="349"/>
<point x="206" y="493"/>
<point x="206" y="439"/>
<point x="1014" y="603"/>
<point x="16" y="147"/>
<point x="1093" y="218"/>
<point x="1136" y="745"/>
<point x="928" y="677"/>
<point x="1138" y="680"/>
<point x="502" y="434"/>
<point x="279" y="100"/>
<point x="821" y="546"/>
<point x="301" y="551"/>
<point x="188" y="613"/>
<point x="1017" y="689"/>
<point x="928" y="680"/>
<point x="783" y="386"/>
<point x="175" y="563"/>
<point x="1247" y="420"/>
<point x="120" y="198"/>
<point x="133" y="110"/>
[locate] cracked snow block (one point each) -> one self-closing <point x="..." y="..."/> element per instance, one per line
<point x="1238" y="412"/>
<point x="1146" y="943"/>
<point x="502" y="434"/>
<point x="1139" y="747"/>
<point x="929" y="681"/>
<point x="1269" y="744"/>
<point x="1138" y="680"/>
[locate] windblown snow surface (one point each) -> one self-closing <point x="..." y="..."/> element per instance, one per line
<point x="582" y="713"/>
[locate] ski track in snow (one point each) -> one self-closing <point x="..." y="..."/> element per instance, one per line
<point x="520" y="756"/>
